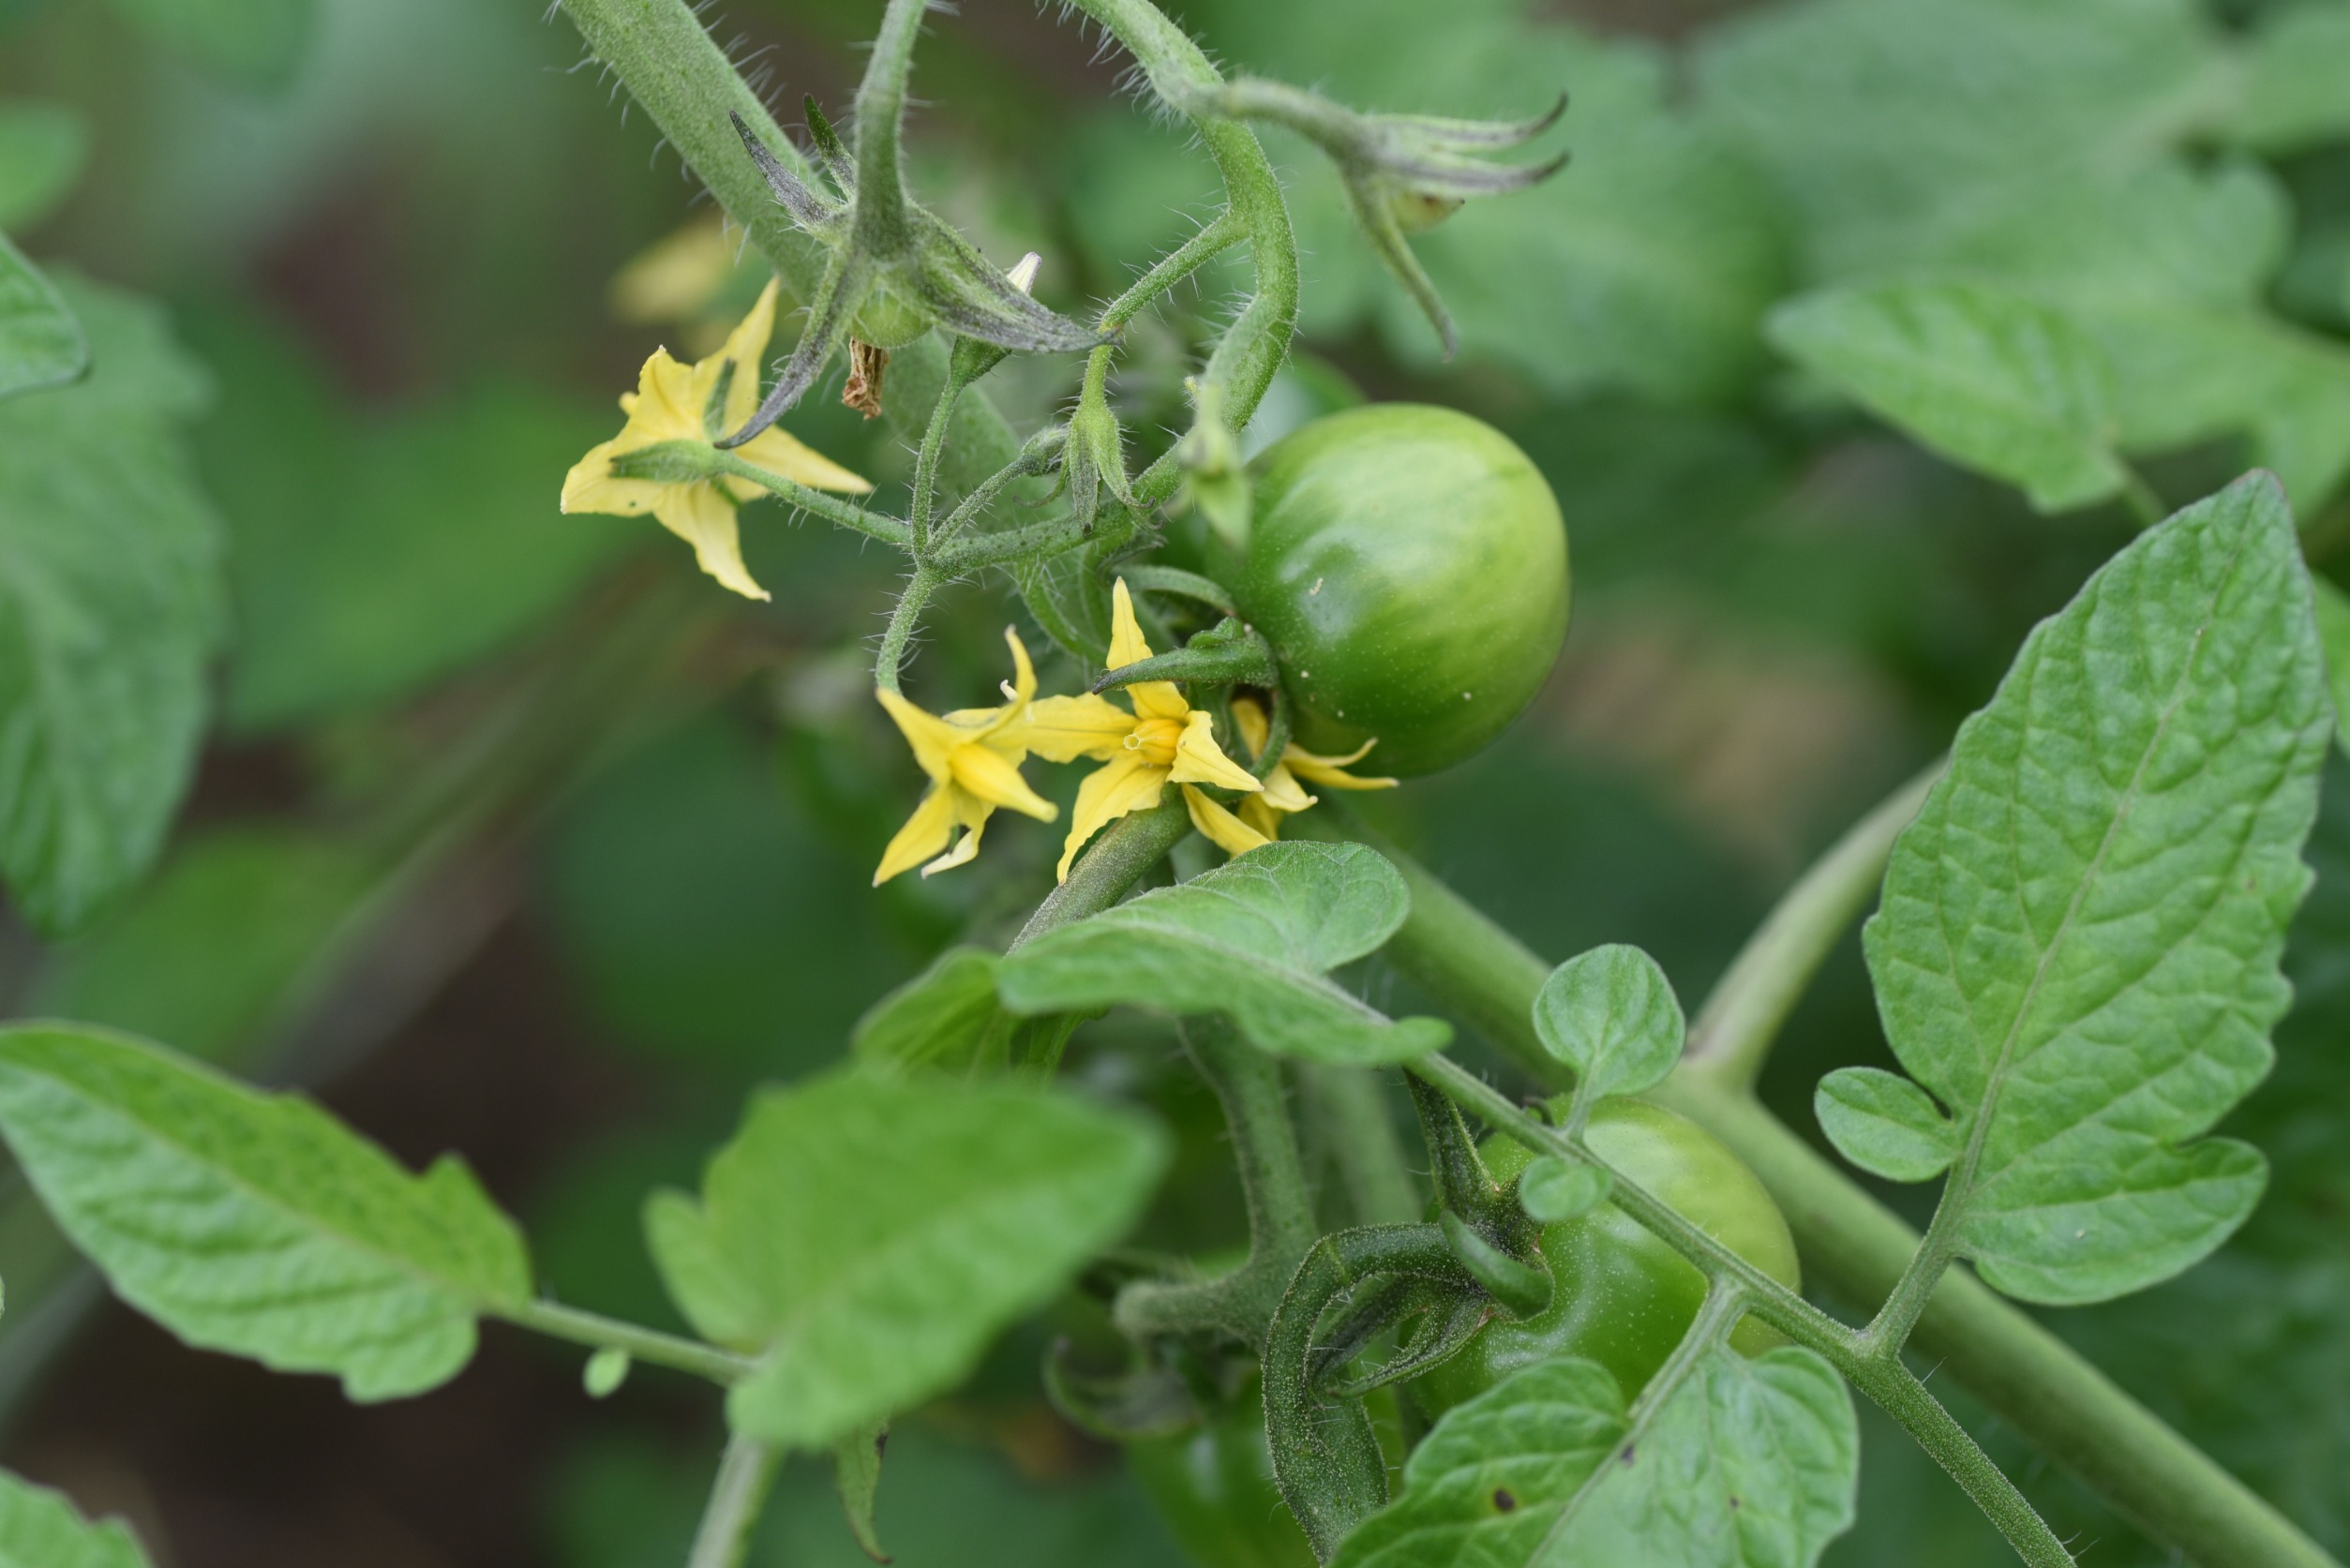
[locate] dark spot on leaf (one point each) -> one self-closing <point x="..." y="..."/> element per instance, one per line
<point x="1503" y="1501"/>
<point x="1734" y="1503"/>
<point x="1628" y="1449"/>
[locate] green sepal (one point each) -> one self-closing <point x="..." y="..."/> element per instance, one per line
<point x="1523" y="1290"/>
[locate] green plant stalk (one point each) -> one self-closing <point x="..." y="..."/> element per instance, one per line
<point x="904" y="616"/>
<point x="1350" y="1113"/>
<point x="669" y="66"/>
<point x="1217" y="235"/>
<point x="848" y="515"/>
<point x="2062" y="1405"/>
<point x="1881" y="1377"/>
<point x="1732" y="1036"/>
<point x="745" y="1476"/>
<point x="1253" y="347"/>
<point x="1126" y="849"/>
<point x="648" y="1344"/>
<point x="880" y="108"/>
<point x="1248" y="1085"/>
<point x="926" y="464"/>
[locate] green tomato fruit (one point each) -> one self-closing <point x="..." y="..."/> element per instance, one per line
<point x="1214" y="1487"/>
<point x="1623" y="1298"/>
<point x="1408" y="565"/>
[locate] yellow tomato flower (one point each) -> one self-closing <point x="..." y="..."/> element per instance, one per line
<point x="667" y="406"/>
<point x="1283" y="796"/>
<point x="973" y="758"/>
<point x="1163" y="739"/>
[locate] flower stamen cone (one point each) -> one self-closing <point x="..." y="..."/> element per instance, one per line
<point x="1163" y="740"/>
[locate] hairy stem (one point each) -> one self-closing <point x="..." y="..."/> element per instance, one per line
<point x="1218" y="235"/>
<point x="2066" y="1408"/>
<point x="1349" y="1109"/>
<point x="903" y="616"/>
<point x="1733" y="1034"/>
<point x="671" y="66"/>
<point x="926" y="465"/>
<point x="1252" y="348"/>
<point x="744" y="1476"/>
<point x="644" y="1344"/>
<point x="880" y="108"/>
<point x="1126" y="850"/>
<point x="832" y="509"/>
<point x="1248" y="1084"/>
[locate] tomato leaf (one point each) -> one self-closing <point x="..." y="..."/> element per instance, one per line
<point x="1989" y="378"/>
<point x="41" y="343"/>
<point x="856" y="1477"/>
<point x="110" y="610"/>
<point x="2078" y="947"/>
<point x="1883" y="1121"/>
<point x="1252" y="940"/>
<point x="1746" y="1462"/>
<point x="1612" y="1015"/>
<point x="949" y="1017"/>
<point x="40" y="1528"/>
<point x="255" y="1223"/>
<point x="868" y="1237"/>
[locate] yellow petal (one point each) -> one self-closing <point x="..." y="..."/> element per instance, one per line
<point x="925" y="834"/>
<point x="1024" y="674"/>
<point x="668" y="405"/>
<point x="1258" y="813"/>
<point x="591" y="487"/>
<point x="933" y="739"/>
<point x="1127" y="646"/>
<point x="1124" y="783"/>
<point x="1330" y="772"/>
<point x="703" y="517"/>
<point x="1247" y="717"/>
<point x="779" y="452"/>
<point x="1226" y="831"/>
<point x="995" y="779"/>
<point x="962" y="854"/>
<point x="1283" y="792"/>
<point x="746" y="350"/>
<point x="1199" y="760"/>
<point x="1157" y="699"/>
<point x="1062" y="729"/>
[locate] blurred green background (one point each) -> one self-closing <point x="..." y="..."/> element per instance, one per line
<point x="507" y="832"/>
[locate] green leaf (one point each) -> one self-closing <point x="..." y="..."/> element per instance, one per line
<point x="255" y="1223"/>
<point x="1252" y="940"/>
<point x="2292" y="96"/>
<point x="949" y="1017"/>
<point x="2078" y="947"/>
<point x="1883" y="1121"/>
<point x="42" y="148"/>
<point x="1552" y="1190"/>
<point x="856" y="1477"/>
<point x="605" y="1370"/>
<point x="1746" y="1462"/>
<point x="41" y="343"/>
<point x="868" y="1237"/>
<point x="1884" y="119"/>
<point x="1612" y="1015"/>
<point x="40" y="1528"/>
<point x="251" y="43"/>
<point x="110" y="610"/>
<point x="2334" y="635"/>
<point x="1989" y="378"/>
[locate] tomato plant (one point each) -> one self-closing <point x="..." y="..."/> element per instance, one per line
<point x="1620" y="1296"/>
<point x="1028" y="912"/>
<point x="1409" y="567"/>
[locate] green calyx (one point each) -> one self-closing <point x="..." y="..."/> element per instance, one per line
<point x="1403" y="173"/>
<point x="1226" y="654"/>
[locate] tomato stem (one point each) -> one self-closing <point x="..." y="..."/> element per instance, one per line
<point x="745" y="1476"/>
